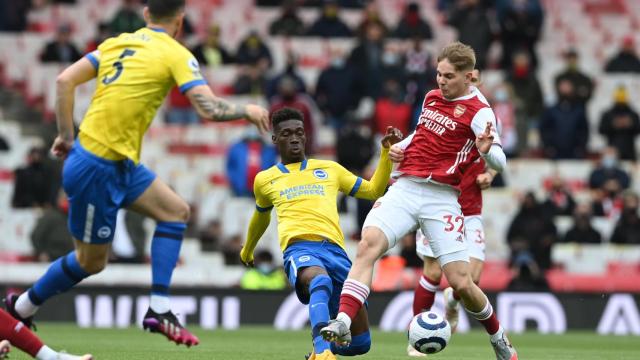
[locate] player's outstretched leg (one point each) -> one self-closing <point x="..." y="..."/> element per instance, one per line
<point x="62" y="275"/>
<point x="16" y="333"/>
<point x="477" y="304"/>
<point x="320" y="290"/>
<point x="355" y="290"/>
<point x="165" y="251"/>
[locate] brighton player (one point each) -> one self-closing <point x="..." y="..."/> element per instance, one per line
<point x="304" y="192"/>
<point x="102" y="172"/>
<point x="456" y="126"/>
<point x="14" y="332"/>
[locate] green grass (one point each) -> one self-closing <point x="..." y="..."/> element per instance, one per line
<point x="258" y="343"/>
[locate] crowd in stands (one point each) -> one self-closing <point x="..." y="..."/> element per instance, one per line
<point x="381" y="81"/>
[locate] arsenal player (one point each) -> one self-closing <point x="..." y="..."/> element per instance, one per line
<point x="456" y="126"/>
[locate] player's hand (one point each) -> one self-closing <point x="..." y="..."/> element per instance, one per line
<point x="258" y="116"/>
<point x="246" y="257"/>
<point x="396" y="154"/>
<point x="484" y="180"/>
<point x="485" y="140"/>
<point x="392" y="136"/>
<point x="61" y="147"/>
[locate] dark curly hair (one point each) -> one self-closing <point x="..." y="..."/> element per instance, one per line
<point x="285" y="114"/>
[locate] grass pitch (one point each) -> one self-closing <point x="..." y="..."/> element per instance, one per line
<point x="262" y="343"/>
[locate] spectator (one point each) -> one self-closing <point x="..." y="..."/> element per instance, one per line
<point x="470" y="18"/>
<point x="505" y="111"/>
<point x="408" y="251"/>
<point x="366" y="60"/>
<point x="582" y="231"/>
<point x="528" y="99"/>
<point x="289" y="97"/>
<point x="61" y="49"/>
<point x="210" y="52"/>
<point x="559" y="200"/>
<point x="250" y="80"/>
<point x="371" y="15"/>
<point x="336" y="90"/>
<point x="33" y="185"/>
<point x="627" y="230"/>
<point x="393" y="67"/>
<point x="179" y="110"/>
<point x="626" y="60"/>
<point x="127" y="19"/>
<point x="582" y="83"/>
<point x="609" y="169"/>
<point x="564" y="128"/>
<point x="527" y="276"/>
<point x="129" y="238"/>
<point x="230" y="250"/>
<point x="329" y="24"/>
<point x="265" y="275"/>
<point x="620" y="125"/>
<point x="211" y="236"/>
<point x="13" y="15"/>
<point x="245" y="159"/>
<point x="391" y="110"/>
<point x="531" y="235"/>
<point x="412" y="25"/>
<point x="288" y="23"/>
<point x="290" y="70"/>
<point x="520" y="26"/>
<point x="50" y="237"/>
<point x="103" y="33"/>
<point x="254" y="51"/>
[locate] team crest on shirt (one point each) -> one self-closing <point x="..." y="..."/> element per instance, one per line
<point x="320" y="174"/>
<point x="459" y="110"/>
<point x="431" y="103"/>
<point x="104" y="232"/>
<point x="304" y="258"/>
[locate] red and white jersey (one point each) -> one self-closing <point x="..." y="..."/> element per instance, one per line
<point x="443" y="145"/>
<point x="470" y="198"/>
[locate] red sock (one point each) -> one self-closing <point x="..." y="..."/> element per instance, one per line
<point x="18" y="334"/>
<point x="353" y="296"/>
<point x="424" y="295"/>
<point x="492" y="325"/>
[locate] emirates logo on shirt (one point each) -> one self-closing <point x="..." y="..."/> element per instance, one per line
<point x="459" y="110"/>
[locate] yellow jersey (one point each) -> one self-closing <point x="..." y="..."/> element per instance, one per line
<point x="305" y="197"/>
<point x="135" y="71"/>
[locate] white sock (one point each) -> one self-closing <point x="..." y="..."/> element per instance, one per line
<point x="160" y="304"/>
<point x="24" y="307"/>
<point x="46" y="353"/>
<point x="498" y="335"/>
<point x="344" y="318"/>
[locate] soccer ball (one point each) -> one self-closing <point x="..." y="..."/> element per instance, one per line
<point x="429" y="332"/>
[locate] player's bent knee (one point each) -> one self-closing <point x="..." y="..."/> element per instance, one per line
<point x="370" y="248"/>
<point x="183" y="212"/>
<point x="91" y="265"/>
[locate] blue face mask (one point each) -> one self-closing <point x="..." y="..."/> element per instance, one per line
<point x="501" y="95"/>
<point x="338" y="62"/>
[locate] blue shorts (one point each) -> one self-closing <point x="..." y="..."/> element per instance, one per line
<point x="97" y="188"/>
<point x="324" y="254"/>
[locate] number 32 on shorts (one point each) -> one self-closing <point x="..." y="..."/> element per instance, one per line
<point x="453" y="223"/>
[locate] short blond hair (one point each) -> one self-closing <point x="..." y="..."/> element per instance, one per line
<point x="461" y="56"/>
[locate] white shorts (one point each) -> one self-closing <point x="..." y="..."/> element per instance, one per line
<point x="474" y="238"/>
<point x="409" y="205"/>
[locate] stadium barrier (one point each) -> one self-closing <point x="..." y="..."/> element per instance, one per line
<point x="112" y="307"/>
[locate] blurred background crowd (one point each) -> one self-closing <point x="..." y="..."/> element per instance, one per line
<point x="561" y="77"/>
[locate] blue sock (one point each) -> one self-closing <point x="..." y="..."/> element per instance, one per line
<point x="320" y="291"/>
<point x="62" y="275"/>
<point x="165" y="251"/>
<point x="360" y="344"/>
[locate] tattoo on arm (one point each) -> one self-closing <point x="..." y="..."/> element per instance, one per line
<point x="218" y="109"/>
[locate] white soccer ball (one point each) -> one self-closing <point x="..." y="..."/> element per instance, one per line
<point x="429" y="332"/>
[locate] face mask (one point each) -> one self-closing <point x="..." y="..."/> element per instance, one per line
<point x="389" y="58"/>
<point x="337" y="62"/>
<point x="609" y="162"/>
<point x="501" y="95"/>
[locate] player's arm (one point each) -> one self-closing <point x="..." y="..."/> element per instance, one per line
<point x="374" y="188"/>
<point x="78" y="73"/>
<point x="257" y="225"/>
<point x="487" y="141"/>
<point x="216" y="108"/>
